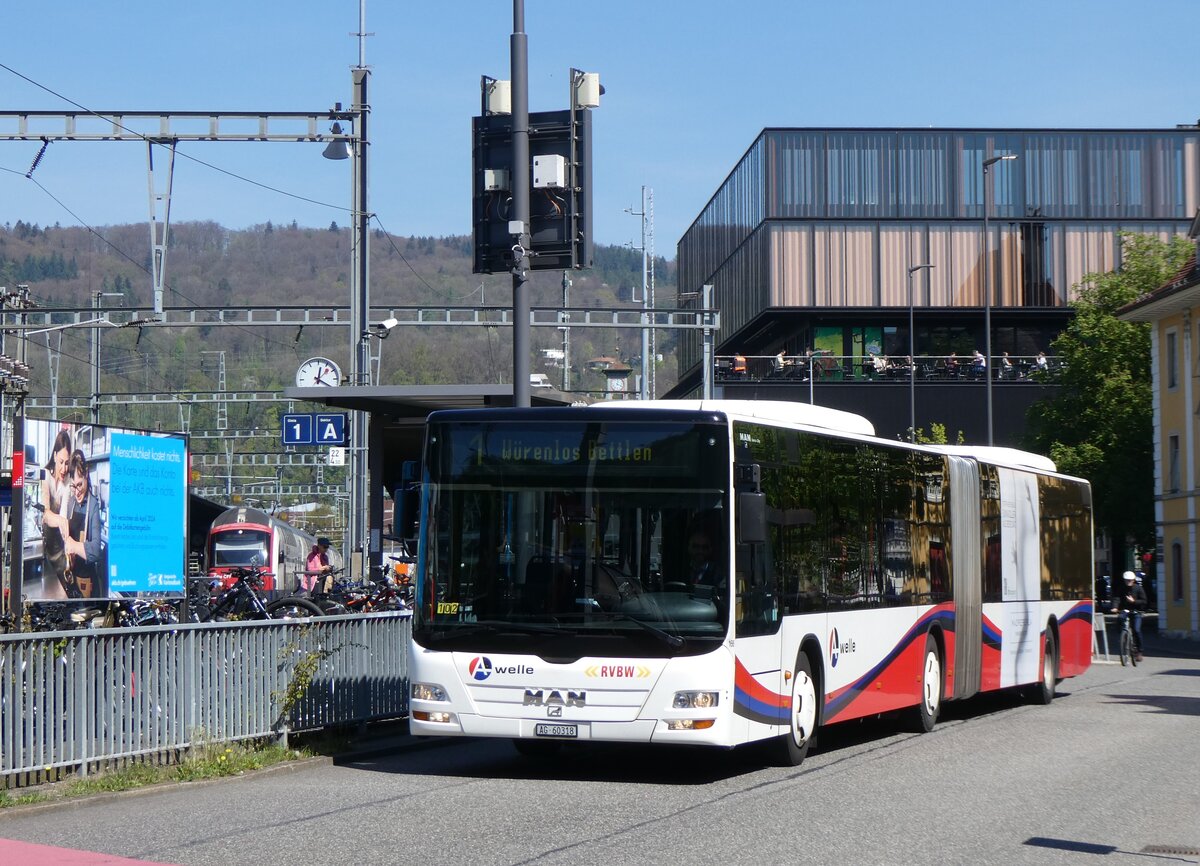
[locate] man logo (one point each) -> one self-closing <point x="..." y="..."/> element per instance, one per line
<point x="833" y="648"/>
<point x="480" y="668"/>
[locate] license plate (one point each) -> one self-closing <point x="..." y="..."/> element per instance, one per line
<point x="547" y="730"/>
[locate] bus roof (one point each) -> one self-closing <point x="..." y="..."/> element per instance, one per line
<point x="798" y="414"/>
<point x="1001" y="456"/>
<point x="808" y="415"/>
<point x="804" y="415"/>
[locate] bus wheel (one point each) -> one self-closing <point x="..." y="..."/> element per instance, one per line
<point x="924" y="715"/>
<point x="1042" y="692"/>
<point x="791" y="749"/>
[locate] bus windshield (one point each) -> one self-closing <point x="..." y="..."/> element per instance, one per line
<point x="571" y="538"/>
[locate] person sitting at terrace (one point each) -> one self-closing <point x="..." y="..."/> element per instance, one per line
<point x="739" y="365"/>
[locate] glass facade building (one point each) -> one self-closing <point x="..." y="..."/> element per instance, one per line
<point x="808" y="241"/>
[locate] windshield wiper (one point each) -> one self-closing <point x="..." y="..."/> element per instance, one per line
<point x="525" y="627"/>
<point x="494" y="626"/>
<point x="672" y="640"/>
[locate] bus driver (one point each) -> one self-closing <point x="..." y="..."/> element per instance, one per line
<point x="702" y="570"/>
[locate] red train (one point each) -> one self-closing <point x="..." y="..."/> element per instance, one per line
<point x="243" y="536"/>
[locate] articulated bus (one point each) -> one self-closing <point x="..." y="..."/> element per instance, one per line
<point x="722" y="573"/>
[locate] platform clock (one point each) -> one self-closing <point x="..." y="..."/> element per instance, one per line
<point x="318" y="373"/>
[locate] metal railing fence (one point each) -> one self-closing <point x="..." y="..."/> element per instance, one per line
<point x="77" y="699"/>
<point x="826" y="367"/>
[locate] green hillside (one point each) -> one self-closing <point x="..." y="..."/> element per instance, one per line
<point x="210" y="266"/>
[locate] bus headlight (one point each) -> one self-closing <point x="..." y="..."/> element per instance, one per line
<point x="694" y="700"/>
<point x="428" y="692"/>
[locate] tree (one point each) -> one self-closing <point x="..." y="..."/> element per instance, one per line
<point x="1099" y="423"/>
<point x="937" y="435"/>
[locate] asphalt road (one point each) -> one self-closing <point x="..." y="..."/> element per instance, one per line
<point x="1103" y="775"/>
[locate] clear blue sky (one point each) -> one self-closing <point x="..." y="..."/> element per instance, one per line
<point x="689" y="85"/>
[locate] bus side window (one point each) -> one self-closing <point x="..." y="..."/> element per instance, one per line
<point x="757" y="600"/>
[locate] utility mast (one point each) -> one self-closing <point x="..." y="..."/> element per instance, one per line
<point x="647" y="390"/>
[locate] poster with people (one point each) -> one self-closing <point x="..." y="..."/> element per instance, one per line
<point x="105" y="512"/>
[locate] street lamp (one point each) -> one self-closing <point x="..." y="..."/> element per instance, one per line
<point x="354" y="146"/>
<point x="987" y="284"/>
<point x="912" y="357"/>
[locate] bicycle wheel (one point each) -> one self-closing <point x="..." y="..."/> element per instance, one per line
<point x="293" y="608"/>
<point x="1126" y="647"/>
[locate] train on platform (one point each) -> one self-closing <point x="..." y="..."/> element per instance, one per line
<point x="242" y="536"/>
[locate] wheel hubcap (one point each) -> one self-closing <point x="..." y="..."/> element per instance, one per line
<point x="933" y="673"/>
<point x="804" y="708"/>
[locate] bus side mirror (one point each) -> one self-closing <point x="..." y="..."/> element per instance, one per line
<point x="752" y="518"/>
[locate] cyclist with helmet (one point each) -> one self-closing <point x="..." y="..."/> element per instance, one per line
<point x="1130" y="600"/>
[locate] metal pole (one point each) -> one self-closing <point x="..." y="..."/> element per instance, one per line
<point x="95" y="362"/>
<point x="16" y="517"/>
<point x="912" y="357"/>
<point x="96" y="297"/>
<point x="812" y="396"/>
<point x="912" y="367"/>
<point x="706" y="294"/>
<point x="566" y="329"/>
<point x="519" y="73"/>
<point x="987" y="294"/>
<point x="357" y="524"/>
<point x="647" y="361"/>
<point x="16" y="514"/>
<point x="987" y="283"/>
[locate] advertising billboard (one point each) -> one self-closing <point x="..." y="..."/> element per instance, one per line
<point x="105" y="512"/>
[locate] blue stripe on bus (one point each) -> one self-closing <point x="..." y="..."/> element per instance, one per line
<point x="1081" y="611"/>
<point x="943" y="616"/>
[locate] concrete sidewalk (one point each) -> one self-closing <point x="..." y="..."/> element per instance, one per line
<point x="1153" y="644"/>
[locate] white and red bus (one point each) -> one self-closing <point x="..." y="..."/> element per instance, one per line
<point x="851" y="576"/>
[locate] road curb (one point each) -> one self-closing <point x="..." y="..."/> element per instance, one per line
<point x="155" y="788"/>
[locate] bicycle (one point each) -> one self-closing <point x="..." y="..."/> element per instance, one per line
<point x="242" y="601"/>
<point x="1128" y="651"/>
<point x="134" y="612"/>
<point x="385" y="591"/>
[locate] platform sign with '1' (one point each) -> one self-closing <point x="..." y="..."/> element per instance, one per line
<point x="298" y="429"/>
